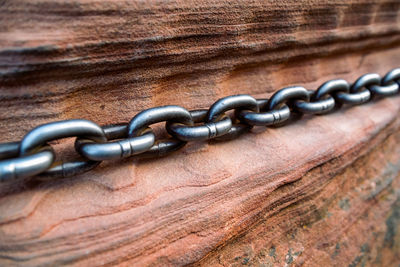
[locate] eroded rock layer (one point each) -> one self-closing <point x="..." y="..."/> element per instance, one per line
<point x="321" y="191"/>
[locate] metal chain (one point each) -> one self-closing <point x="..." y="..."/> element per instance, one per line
<point x="34" y="156"/>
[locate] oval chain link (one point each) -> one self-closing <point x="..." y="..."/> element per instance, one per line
<point x="42" y="134"/>
<point x="126" y="147"/>
<point x="265" y="117"/>
<point x="33" y="155"/>
<point x="321" y="100"/>
<point x="359" y="92"/>
<point x="138" y="125"/>
<point x="204" y="131"/>
<point x="235" y="103"/>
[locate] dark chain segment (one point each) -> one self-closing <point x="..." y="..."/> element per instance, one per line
<point x="33" y="155"/>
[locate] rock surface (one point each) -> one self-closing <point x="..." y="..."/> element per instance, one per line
<point x="321" y="191"/>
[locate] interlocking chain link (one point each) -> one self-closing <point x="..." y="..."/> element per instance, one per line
<point x="34" y="156"/>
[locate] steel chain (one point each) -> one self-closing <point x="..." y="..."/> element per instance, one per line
<point x="33" y="155"/>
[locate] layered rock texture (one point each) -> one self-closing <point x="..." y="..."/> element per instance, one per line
<point x="322" y="191"/>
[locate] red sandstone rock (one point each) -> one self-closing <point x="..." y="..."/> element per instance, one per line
<point x="321" y="191"/>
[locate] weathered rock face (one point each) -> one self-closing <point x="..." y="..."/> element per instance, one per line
<point x="321" y="191"/>
<point x="331" y="216"/>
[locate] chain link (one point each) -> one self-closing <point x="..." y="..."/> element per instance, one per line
<point x="236" y="103"/>
<point x="34" y="156"/>
<point x="204" y="131"/>
<point x="125" y="147"/>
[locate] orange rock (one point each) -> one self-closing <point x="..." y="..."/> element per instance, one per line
<point x="321" y="191"/>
